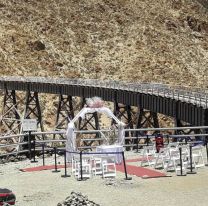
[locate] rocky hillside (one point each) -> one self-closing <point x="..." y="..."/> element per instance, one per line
<point x="204" y="3"/>
<point x="131" y="40"/>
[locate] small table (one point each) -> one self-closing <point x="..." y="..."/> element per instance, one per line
<point x="112" y="148"/>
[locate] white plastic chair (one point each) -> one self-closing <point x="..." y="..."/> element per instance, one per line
<point x="97" y="166"/>
<point x="173" y="145"/>
<point x="162" y="157"/>
<point x="86" y="168"/>
<point x="197" y="157"/>
<point x="109" y="167"/>
<point x="173" y="162"/>
<point x="148" y="155"/>
<point x="74" y="161"/>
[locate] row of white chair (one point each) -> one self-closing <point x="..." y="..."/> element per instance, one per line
<point x="168" y="158"/>
<point x="93" y="166"/>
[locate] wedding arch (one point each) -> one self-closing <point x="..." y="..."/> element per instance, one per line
<point x="94" y="105"/>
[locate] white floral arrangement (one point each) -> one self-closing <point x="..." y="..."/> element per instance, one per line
<point x="94" y="102"/>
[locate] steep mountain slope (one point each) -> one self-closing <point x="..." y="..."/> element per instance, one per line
<point x="132" y="40"/>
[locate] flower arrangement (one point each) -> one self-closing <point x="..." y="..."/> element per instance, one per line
<point x="94" y="102"/>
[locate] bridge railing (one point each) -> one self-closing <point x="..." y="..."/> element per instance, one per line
<point x="134" y="138"/>
<point x="197" y="96"/>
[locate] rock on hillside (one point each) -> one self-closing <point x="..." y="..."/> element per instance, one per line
<point x="131" y="40"/>
<point x="204" y="3"/>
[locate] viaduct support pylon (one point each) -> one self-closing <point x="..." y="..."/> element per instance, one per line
<point x="10" y="119"/>
<point x="90" y="122"/>
<point x="65" y="113"/>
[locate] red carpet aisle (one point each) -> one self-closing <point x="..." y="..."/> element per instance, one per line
<point x="131" y="170"/>
<point x="40" y="168"/>
<point x="140" y="171"/>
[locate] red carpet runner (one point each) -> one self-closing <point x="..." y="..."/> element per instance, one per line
<point x="140" y="171"/>
<point x="40" y="168"/>
<point x="131" y="170"/>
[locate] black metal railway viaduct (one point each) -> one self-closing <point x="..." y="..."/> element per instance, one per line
<point x="181" y="104"/>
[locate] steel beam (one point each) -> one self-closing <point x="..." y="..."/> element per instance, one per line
<point x="145" y="119"/>
<point x="65" y="113"/>
<point x="189" y="105"/>
<point x="125" y="114"/>
<point x="182" y="124"/>
<point x="32" y="108"/>
<point x="32" y="111"/>
<point x="10" y="120"/>
<point x="90" y="122"/>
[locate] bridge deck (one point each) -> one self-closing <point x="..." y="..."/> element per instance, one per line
<point x="179" y="102"/>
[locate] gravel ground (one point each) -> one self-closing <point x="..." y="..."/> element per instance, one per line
<point x="45" y="188"/>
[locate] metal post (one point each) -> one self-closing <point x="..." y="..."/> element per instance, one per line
<point x="43" y="153"/>
<point x="65" y="166"/>
<point x="55" y="151"/>
<point x="180" y="150"/>
<point x="207" y="152"/>
<point x="147" y="140"/>
<point x="191" y="168"/>
<point x="186" y="140"/>
<point x="80" y="159"/>
<point x="137" y="144"/>
<point x="181" y="174"/>
<point x="34" y="144"/>
<point x="127" y="178"/>
<point x="168" y="139"/>
<point x="29" y="145"/>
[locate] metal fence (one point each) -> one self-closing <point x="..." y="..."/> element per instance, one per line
<point x="135" y="139"/>
<point x="196" y="96"/>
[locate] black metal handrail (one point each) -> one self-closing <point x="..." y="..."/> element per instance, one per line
<point x="196" y="96"/>
<point x="168" y="136"/>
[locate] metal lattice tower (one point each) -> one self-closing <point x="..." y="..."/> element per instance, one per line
<point x="126" y="115"/>
<point x="65" y="113"/>
<point x="90" y="122"/>
<point x="32" y="108"/>
<point x="32" y="111"/>
<point x="10" y="115"/>
<point x="147" y="119"/>
<point x="179" y="123"/>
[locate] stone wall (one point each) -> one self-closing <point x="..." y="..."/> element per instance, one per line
<point x="204" y="3"/>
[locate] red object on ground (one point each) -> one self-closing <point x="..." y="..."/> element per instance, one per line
<point x="140" y="171"/>
<point x="40" y="168"/>
<point x="7" y="196"/>
<point x="159" y="142"/>
<point x="131" y="170"/>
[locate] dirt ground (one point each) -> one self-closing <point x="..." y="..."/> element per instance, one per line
<point x="44" y="188"/>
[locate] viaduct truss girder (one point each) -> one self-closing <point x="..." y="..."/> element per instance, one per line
<point x="184" y="105"/>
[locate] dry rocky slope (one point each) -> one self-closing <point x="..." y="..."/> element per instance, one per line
<point x="204" y="3"/>
<point x="130" y="40"/>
